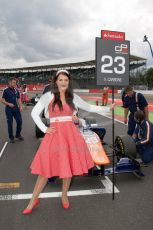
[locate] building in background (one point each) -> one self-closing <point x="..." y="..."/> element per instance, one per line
<point x="84" y="73"/>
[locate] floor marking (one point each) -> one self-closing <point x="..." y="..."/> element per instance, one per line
<point x="107" y="190"/>
<point x="3" y="148"/>
<point x="9" y="185"/>
<point x="114" y="119"/>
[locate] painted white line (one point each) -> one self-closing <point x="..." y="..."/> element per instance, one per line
<point x="2" y="151"/>
<point x="108" y="184"/>
<point x="107" y="190"/>
<point x="115" y="119"/>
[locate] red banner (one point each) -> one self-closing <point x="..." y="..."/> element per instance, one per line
<point x="112" y="35"/>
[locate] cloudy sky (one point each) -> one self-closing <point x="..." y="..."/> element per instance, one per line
<point x="65" y="30"/>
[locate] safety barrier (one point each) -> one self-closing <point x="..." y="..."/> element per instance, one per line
<point x="40" y="87"/>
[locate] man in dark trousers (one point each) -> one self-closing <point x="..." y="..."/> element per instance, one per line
<point x="143" y="137"/>
<point x="133" y="102"/>
<point x="11" y="99"/>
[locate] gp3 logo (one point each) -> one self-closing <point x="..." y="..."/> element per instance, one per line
<point x="123" y="48"/>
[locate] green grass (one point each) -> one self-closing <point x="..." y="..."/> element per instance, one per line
<point x="120" y="111"/>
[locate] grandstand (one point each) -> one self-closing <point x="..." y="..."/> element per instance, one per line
<point x="84" y="73"/>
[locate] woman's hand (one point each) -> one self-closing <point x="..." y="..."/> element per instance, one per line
<point x="112" y="106"/>
<point x="51" y="130"/>
<point x="75" y="119"/>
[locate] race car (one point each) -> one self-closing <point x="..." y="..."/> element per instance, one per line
<point x="124" y="148"/>
<point x="30" y="101"/>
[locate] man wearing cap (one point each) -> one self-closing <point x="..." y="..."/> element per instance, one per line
<point x="133" y="102"/>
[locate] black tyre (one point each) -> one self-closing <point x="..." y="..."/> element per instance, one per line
<point x="33" y="101"/>
<point x="125" y="147"/>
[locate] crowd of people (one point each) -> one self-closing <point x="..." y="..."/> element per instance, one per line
<point x="63" y="152"/>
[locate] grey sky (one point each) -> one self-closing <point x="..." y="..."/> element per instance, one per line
<point x="36" y="30"/>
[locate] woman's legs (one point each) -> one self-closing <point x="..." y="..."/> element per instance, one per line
<point x="65" y="188"/>
<point x="40" y="184"/>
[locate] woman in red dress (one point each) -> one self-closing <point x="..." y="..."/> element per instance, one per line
<point x="63" y="151"/>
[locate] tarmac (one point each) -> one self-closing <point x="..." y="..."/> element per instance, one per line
<point x="92" y="206"/>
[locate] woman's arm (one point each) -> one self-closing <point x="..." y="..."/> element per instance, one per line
<point x="37" y="110"/>
<point x="146" y="139"/>
<point x="80" y="103"/>
<point x="126" y="111"/>
<point x="146" y="113"/>
<point x="135" y="133"/>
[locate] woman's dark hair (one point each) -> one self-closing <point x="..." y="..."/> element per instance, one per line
<point x="139" y="115"/>
<point x="68" y="93"/>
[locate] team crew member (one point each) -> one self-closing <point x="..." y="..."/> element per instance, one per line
<point x="133" y="102"/>
<point x="143" y="136"/>
<point x="63" y="151"/>
<point x="105" y="96"/>
<point x="47" y="87"/>
<point x="11" y="98"/>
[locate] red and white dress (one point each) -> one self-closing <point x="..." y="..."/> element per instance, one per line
<point x="63" y="153"/>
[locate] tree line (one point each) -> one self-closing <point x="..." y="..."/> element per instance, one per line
<point x="143" y="77"/>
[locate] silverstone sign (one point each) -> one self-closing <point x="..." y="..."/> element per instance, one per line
<point x="112" y="62"/>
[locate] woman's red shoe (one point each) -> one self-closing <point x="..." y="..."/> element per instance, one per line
<point x="66" y="205"/>
<point x="65" y="202"/>
<point x="28" y="210"/>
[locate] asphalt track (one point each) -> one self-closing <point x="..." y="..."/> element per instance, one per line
<point x="91" y="201"/>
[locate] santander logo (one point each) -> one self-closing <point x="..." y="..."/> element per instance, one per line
<point x="112" y="35"/>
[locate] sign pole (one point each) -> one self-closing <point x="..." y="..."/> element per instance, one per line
<point x="112" y="69"/>
<point x="113" y="193"/>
